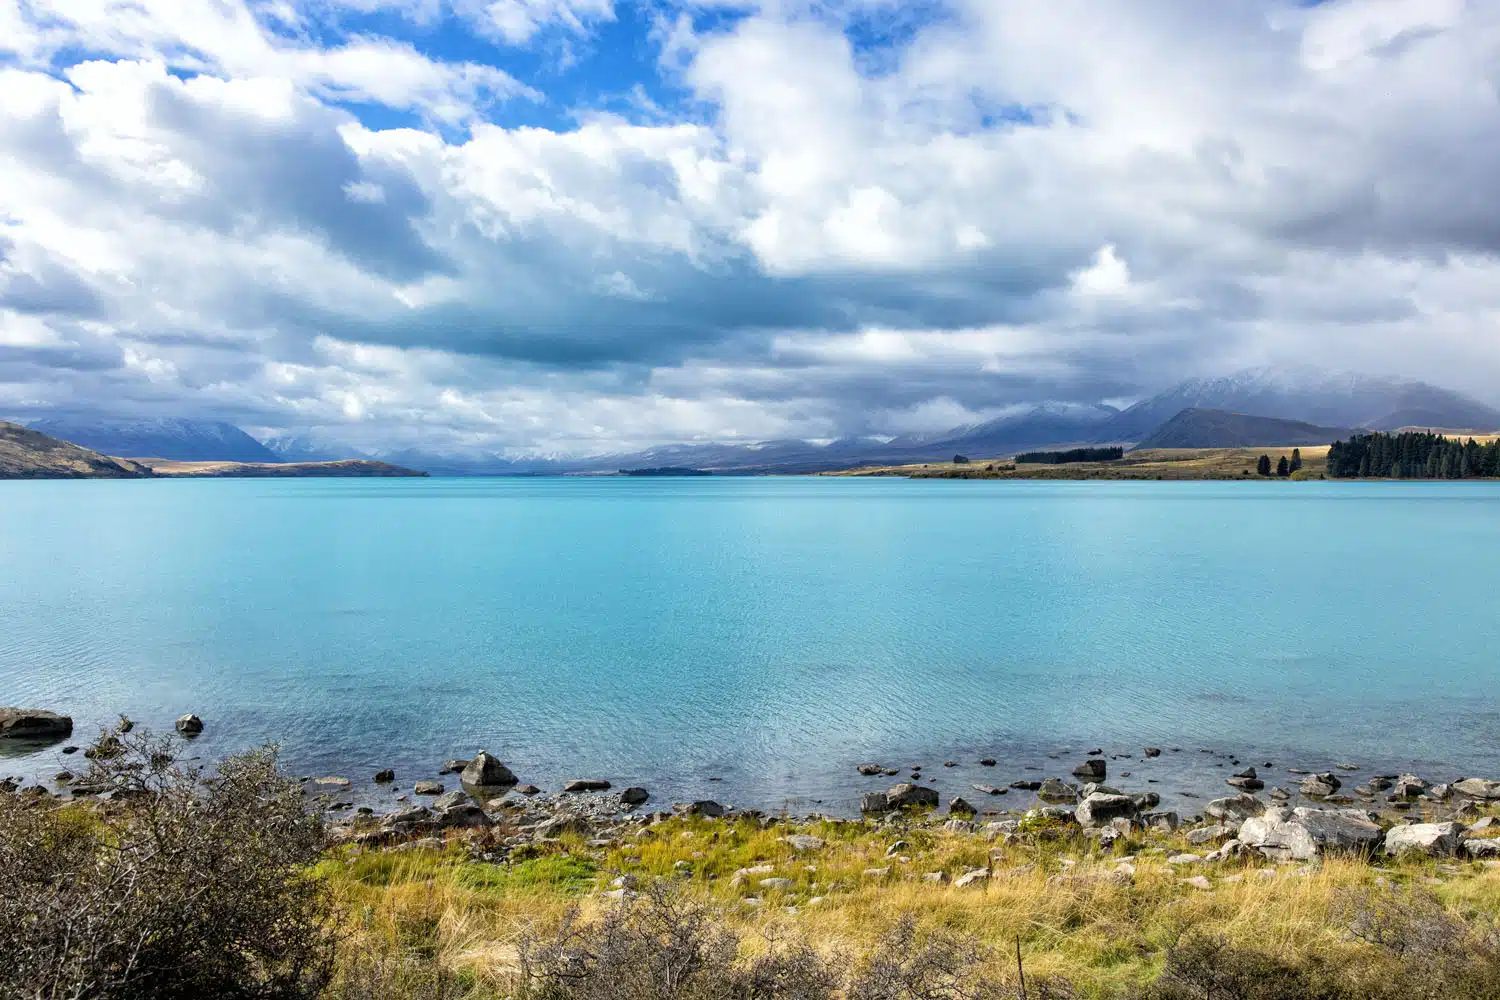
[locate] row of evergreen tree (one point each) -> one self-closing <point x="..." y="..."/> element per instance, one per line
<point x="1067" y="457"/>
<point x="1412" y="455"/>
<point x="1283" y="467"/>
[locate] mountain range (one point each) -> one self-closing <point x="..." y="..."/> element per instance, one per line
<point x="169" y="437"/>
<point x="1200" y="428"/>
<point x="1321" y="405"/>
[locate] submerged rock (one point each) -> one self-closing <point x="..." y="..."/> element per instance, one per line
<point x="633" y="796"/>
<point x="1055" y="790"/>
<point x="385" y="777"/>
<point x="1091" y="770"/>
<point x="586" y="785"/>
<point x="33" y="724"/>
<point x="189" y="725"/>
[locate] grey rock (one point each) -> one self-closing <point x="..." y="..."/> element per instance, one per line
<point x="1092" y="769"/>
<point x="1431" y="839"/>
<point x="189" y="725"/>
<point x="449" y="800"/>
<point x="1477" y="847"/>
<point x="987" y="762"/>
<point x="1026" y="785"/>
<point x="331" y="784"/>
<point x="803" y="842"/>
<point x="779" y="884"/>
<point x="464" y="815"/>
<point x="959" y="806"/>
<point x="586" y="785"/>
<point x="1477" y="788"/>
<point x="1146" y="800"/>
<point x="531" y="790"/>
<point x="453" y="766"/>
<point x="1205" y="834"/>
<point x="909" y="796"/>
<point x="1321" y="785"/>
<point x="704" y="807"/>
<point x="1055" y="790"/>
<point x="1234" y="807"/>
<point x="385" y="777"/>
<point x="870" y="770"/>
<point x="1409" y="786"/>
<point x="33" y="724"/>
<point x="988" y="789"/>
<point x="1099" y="808"/>
<point x="1153" y="751"/>
<point x="1302" y="834"/>
<point x="428" y="788"/>
<point x="1165" y="821"/>
<point x="874" y="802"/>
<point x="635" y="796"/>
<point x="485" y="771"/>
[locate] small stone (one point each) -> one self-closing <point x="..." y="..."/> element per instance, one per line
<point x="1198" y="882"/>
<point x="988" y="789"/>
<point x="971" y="877"/>
<point x="1153" y="751"/>
<point x="332" y="783"/>
<point x="586" y="785"/>
<point x="385" y="777"/>
<point x="187" y="725"/>
<point x="778" y="884"/>
<point x="634" y="796"/>
<point x="1026" y="785"/>
<point x="870" y="770"/>
<point x="802" y="842"/>
<point x="987" y="762"/>
<point x="876" y="872"/>
<point x="961" y="807"/>
<point x="428" y="788"/>
<point x="1184" y="859"/>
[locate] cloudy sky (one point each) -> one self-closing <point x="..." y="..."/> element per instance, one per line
<point x="572" y="226"/>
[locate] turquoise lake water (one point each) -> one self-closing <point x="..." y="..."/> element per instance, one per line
<point x="769" y="633"/>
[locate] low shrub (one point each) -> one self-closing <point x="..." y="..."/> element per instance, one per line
<point x="185" y="885"/>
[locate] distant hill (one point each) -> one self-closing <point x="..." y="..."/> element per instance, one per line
<point x="29" y="454"/>
<point x="1327" y="399"/>
<point x="1200" y="428"/>
<point x="1038" y="426"/>
<point x="169" y="437"/>
<point x="353" y="468"/>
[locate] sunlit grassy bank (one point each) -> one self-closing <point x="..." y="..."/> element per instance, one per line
<point x="1103" y="920"/>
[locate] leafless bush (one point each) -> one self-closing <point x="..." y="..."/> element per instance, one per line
<point x="1200" y="967"/>
<point x="182" y="886"/>
<point x="664" y="947"/>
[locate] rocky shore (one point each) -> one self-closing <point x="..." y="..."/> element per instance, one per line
<point x="1303" y="816"/>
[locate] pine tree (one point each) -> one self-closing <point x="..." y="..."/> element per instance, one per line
<point x="1283" y="467"/>
<point x="1296" y="459"/>
<point x="1263" y="467"/>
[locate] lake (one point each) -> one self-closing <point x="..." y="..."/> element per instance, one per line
<point x="752" y="640"/>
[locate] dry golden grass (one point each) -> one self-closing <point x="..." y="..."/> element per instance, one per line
<point x="1075" y="916"/>
<point x="1153" y="463"/>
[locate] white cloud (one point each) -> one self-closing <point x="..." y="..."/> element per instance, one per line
<point x="1073" y="199"/>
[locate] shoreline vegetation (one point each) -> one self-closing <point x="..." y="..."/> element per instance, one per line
<point x="244" y="881"/>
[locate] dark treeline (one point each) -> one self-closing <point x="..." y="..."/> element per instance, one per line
<point x="1076" y="455"/>
<point x="1412" y="455"/>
